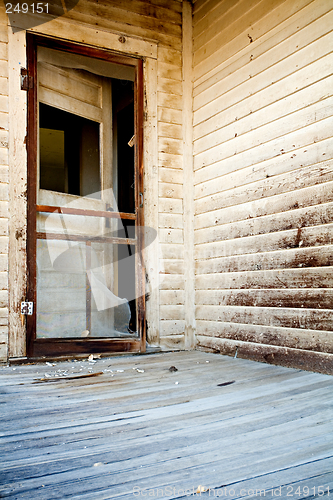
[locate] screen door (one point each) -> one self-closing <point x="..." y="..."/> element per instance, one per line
<point x="85" y="201"/>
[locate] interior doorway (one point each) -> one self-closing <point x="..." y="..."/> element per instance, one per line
<point x="85" y="190"/>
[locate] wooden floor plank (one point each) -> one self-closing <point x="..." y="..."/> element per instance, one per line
<point x="99" y="437"/>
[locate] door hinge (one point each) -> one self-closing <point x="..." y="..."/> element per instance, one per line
<point x="27" y="82"/>
<point x="27" y="308"/>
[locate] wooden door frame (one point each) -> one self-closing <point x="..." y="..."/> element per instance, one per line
<point x="54" y="347"/>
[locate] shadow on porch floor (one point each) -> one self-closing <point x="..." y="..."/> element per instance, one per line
<point x="216" y="427"/>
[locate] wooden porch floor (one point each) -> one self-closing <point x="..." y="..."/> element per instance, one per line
<point x="142" y="430"/>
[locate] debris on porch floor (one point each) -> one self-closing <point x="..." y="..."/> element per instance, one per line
<point x="168" y="425"/>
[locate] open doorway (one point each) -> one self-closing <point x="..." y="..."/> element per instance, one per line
<point x="86" y="277"/>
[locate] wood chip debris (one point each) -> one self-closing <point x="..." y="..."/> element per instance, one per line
<point x="173" y="369"/>
<point x="201" y="489"/>
<point x="69" y="377"/>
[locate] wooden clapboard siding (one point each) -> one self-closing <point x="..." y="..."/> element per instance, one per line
<point x="139" y="18"/>
<point x="266" y="32"/>
<point x="262" y="115"/>
<point x="4" y="189"/>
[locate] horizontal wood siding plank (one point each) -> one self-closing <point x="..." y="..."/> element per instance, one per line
<point x="169" y="205"/>
<point x="170" y="160"/>
<point x="314" y="277"/>
<point x="172" y="266"/>
<point x="280" y="259"/>
<point x="170" y="130"/>
<point x="314" y="298"/>
<point x="169" y="56"/>
<point x="295" y="338"/>
<point x="172" y="327"/>
<point x="4" y="103"/>
<point x="3" y="27"/>
<point x="267" y="190"/>
<point x="276" y="355"/>
<point x="172" y="282"/>
<point x="172" y="341"/>
<point x="169" y="115"/>
<point x="169" y="86"/>
<point x="3" y="353"/>
<point x="4" y="68"/>
<point x="172" y="312"/>
<point x="3" y="280"/>
<point x="3" y="51"/>
<point x="151" y="10"/>
<point x="3" y="85"/>
<point x="3" y="158"/>
<point x="170" y="71"/>
<point x="169" y="190"/>
<point x="171" y="236"/>
<point x="171" y="175"/>
<point x="171" y="221"/>
<point x="4" y="120"/>
<point x="174" y="297"/>
<point x="171" y="146"/>
<point x="171" y="251"/>
<point x="3" y="298"/>
<point x="228" y="223"/>
<point x="283" y="240"/>
<point x="4" y="242"/>
<point x="168" y="100"/>
<point x="284" y="317"/>
<point x="3" y="335"/>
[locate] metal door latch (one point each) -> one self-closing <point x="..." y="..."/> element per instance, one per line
<point x="27" y="308"/>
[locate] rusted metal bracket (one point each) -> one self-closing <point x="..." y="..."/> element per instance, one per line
<point x="27" y="82"/>
<point x="27" y="308"/>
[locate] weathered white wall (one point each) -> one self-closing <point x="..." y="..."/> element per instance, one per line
<point x="263" y="177"/>
<point x="3" y="188"/>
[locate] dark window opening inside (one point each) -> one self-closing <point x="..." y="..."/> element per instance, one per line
<point x="69" y="152"/>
